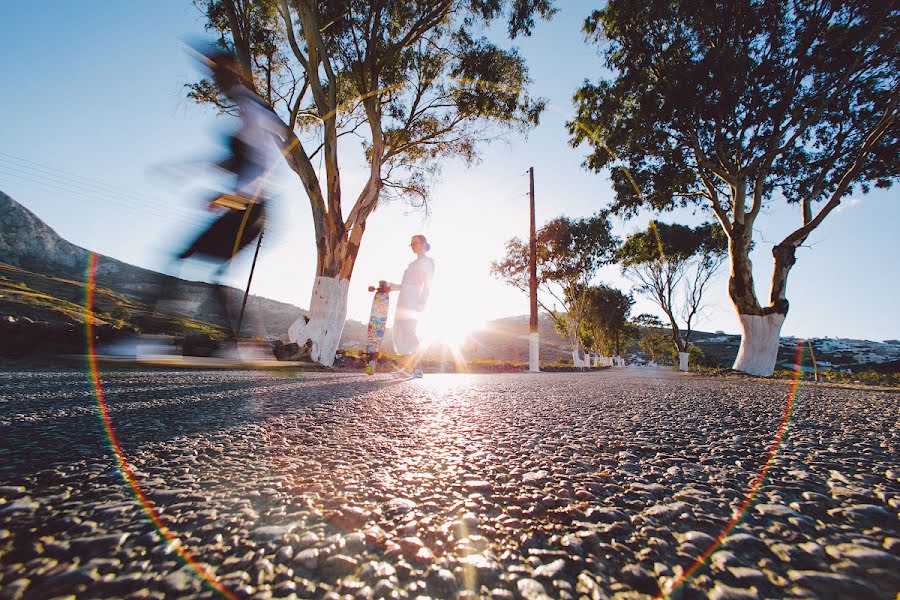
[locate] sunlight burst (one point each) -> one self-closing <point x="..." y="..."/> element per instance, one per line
<point x="446" y="329"/>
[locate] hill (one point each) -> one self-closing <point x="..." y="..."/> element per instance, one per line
<point x="42" y="279"/>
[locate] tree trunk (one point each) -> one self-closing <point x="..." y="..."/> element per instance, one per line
<point x="337" y="246"/>
<point x="760" y="327"/>
<point x="576" y="355"/>
<point x="760" y="335"/>
<point x="740" y="283"/>
<point x="323" y="327"/>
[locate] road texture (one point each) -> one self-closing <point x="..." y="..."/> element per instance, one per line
<point x="566" y="485"/>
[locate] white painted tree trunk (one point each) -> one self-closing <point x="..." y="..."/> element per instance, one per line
<point x="327" y="313"/>
<point x="534" y="349"/>
<point x="759" y="344"/>
<point x="576" y="359"/>
<point x="683" y="361"/>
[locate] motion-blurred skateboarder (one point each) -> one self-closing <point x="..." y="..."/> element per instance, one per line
<point x="249" y="160"/>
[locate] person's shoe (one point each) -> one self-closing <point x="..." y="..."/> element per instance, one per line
<point x="401" y="374"/>
<point x="417" y="374"/>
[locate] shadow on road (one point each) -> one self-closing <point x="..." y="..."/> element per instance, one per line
<point x="150" y="407"/>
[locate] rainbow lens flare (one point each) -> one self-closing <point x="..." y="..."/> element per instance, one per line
<point x="122" y="461"/>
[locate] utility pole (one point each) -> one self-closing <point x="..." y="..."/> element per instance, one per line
<point x="534" y="363"/>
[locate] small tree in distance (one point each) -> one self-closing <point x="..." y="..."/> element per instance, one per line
<point x="671" y="265"/>
<point x="606" y="319"/>
<point x="737" y="105"/>
<point x="650" y="341"/>
<point x="569" y="253"/>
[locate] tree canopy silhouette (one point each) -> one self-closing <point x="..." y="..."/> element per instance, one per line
<point x="738" y="105"/>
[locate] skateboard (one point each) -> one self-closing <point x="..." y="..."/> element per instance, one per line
<point x="377" y="324"/>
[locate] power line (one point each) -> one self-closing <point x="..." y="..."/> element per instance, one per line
<point x="133" y="208"/>
<point x="49" y="177"/>
<point x="103" y="190"/>
<point x="90" y="180"/>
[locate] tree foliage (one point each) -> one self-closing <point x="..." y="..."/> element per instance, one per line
<point x="647" y="320"/>
<point x="672" y="265"/>
<point x="415" y="82"/>
<point x="735" y="105"/>
<point x="569" y="253"/>
<point x="605" y="326"/>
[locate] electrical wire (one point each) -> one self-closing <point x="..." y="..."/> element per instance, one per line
<point x="102" y="189"/>
<point x="131" y="209"/>
<point x="94" y="189"/>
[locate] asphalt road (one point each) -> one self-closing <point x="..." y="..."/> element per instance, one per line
<point x="605" y="484"/>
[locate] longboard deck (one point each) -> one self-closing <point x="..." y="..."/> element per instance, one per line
<point x="377" y="326"/>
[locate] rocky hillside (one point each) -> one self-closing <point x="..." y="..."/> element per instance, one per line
<point x="42" y="278"/>
<point x="26" y="241"/>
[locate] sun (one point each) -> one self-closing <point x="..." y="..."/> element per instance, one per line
<point x="445" y="328"/>
<point x="449" y="319"/>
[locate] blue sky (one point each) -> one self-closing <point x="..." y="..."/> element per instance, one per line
<point x="98" y="139"/>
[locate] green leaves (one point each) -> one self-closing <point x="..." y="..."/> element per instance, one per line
<point x="568" y="251"/>
<point x="573" y="249"/>
<point x="606" y="315"/>
<point x="409" y="78"/>
<point x="677" y="243"/>
<point x="778" y="95"/>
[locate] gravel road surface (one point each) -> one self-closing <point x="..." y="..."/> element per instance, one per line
<point x="564" y="485"/>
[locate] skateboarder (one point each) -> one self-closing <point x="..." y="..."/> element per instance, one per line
<point x="414" y="290"/>
<point x="249" y="161"/>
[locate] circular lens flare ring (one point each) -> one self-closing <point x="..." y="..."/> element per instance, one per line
<point x="738" y="514"/>
<point x="128" y="473"/>
<point x="124" y="466"/>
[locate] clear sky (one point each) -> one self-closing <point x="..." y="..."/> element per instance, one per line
<point x="97" y="138"/>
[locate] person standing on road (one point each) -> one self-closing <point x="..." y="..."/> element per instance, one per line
<point x="414" y="290"/>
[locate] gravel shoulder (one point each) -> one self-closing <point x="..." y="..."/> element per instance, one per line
<point x="601" y="485"/>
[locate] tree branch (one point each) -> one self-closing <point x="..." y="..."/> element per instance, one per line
<point x="884" y="123"/>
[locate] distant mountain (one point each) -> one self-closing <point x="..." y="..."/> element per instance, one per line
<point x="26" y="241"/>
<point x="33" y="255"/>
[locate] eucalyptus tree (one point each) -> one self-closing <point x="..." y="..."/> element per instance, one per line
<point x="739" y="106"/>
<point x="413" y="81"/>
<point x="605" y="322"/>
<point x="672" y="265"/>
<point x="569" y="253"/>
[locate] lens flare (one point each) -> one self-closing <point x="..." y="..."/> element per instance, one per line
<point x="124" y="466"/>
<point x="738" y="514"/>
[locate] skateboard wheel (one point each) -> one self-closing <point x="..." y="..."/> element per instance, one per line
<point x="369" y="370"/>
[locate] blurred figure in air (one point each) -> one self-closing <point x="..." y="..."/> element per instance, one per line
<point x="249" y="160"/>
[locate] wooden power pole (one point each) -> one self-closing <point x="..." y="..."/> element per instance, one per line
<point x="533" y="336"/>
